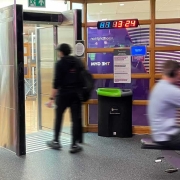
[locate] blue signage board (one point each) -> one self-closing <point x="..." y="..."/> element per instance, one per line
<point x="138" y="50"/>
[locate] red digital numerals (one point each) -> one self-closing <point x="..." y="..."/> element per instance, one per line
<point x="130" y="23"/>
<point x="124" y="24"/>
<point x="120" y="24"/>
<point x="115" y="24"/>
<point x="133" y="23"/>
<point x="127" y="24"/>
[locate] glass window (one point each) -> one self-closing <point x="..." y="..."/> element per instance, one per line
<point x="139" y="115"/>
<point x="118" y="37"/>
<point x="140" y="87"/>
<point x="167" y="35"/>
<point x="93" y="114"/>
<point x="102" y="63"/>
<point x="162" y="57"/>
<point x="118" y="10"/>
<point x="167" y="9"/>
<point x="139" y="35"/>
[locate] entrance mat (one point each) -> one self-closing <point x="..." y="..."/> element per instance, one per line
<point x="37" y="141"/>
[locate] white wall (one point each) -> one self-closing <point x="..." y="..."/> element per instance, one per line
<point x="51" y="5"/>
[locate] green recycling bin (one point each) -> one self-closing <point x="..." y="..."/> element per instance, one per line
<point x="114" y="112"/>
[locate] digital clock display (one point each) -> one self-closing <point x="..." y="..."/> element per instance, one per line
<point x="117" y="24"/>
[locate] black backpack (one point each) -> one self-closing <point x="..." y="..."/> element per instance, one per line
<point x="87" y="83"/>
<point x="85" y="79"/>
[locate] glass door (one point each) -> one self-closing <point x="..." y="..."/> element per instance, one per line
<point x="66" y="35"/>
<point x="45" y="65"/>
<point x="30" y="79"/>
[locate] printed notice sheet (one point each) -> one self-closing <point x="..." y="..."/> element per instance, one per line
<point x="122" y="66"/>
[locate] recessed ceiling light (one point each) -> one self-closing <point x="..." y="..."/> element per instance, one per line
<point x="100" y="11"/>
<point x="121" y="4"/>
<point x="100" y="4"/>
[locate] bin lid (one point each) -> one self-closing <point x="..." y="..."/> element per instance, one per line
<point x="109" y="92"/>
<point x="126" y="92"/>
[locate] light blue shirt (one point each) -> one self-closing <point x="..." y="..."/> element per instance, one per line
<point x="163" y="103"/>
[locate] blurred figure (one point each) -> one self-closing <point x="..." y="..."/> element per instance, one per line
<point x="65" y="93"/>
<point x="163" y="103"/>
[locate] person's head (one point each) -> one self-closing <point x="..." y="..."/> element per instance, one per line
<point x="171" y="71"/>
<point x="64" y="50"/>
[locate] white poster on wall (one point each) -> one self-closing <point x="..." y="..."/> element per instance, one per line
<point x="122" y="66"/>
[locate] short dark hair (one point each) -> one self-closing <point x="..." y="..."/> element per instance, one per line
<point x="65" y="49"/>
<point x="171" y="68"/>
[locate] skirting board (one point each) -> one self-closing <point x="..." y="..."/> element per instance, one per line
<point x="136" y="129"/>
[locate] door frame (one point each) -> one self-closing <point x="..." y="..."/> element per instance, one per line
<point x="72" y="17"/>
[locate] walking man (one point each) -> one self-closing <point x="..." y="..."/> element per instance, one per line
<point x="66" y="85"/>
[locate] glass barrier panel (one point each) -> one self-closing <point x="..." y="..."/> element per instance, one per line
<point x="162" y="57"/>
<point x="167" y="9"/>
<point x="113" y="38"/>
<point x="167" y="35"/>
<point x="102" y="63"/>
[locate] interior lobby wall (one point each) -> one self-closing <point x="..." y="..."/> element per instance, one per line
<point x="51" y="5"/>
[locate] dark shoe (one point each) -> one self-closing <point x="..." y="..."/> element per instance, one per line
<point x="54" y="145"/>
<point x="75" y="149"/>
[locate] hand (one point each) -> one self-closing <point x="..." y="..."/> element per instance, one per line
<point x="50" y="103"/>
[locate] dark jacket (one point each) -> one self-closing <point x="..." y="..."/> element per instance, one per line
<point x="67" y="72"/>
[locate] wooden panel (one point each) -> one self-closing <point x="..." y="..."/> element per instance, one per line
<point x="168" y="48"/>
<point x="77" y="1"/>
<point x="141" y="22"/>
<point x="152" y="43"/>
<point x="135" y="102"/>
<point x="86" y="110"/>
<point x="140" y="102"/>
<point x="107" y="50"/>
<point x="86" y="114"/>
<point x="158" y="76"/>
<point x="111" y="76"/>
<point x="103" y="76"/>
<point x="109" y="1"/>
<point x="136" y="129"/>
<point x="141" y="130"/>
<point x="167" y="21"/>
<point x="92" y="101"/>
<point x="140" y="76"/>
<point x="85" y="30"/>
<point x="145" y="22"/>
